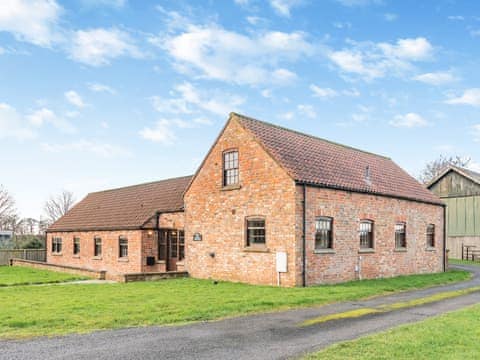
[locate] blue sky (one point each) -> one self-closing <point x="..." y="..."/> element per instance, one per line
<point x="100" y="94"/>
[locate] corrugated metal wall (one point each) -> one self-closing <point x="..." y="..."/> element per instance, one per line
<point x="463" y="216"/>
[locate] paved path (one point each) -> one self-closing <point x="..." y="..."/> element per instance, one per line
<point x="266" y="336"/>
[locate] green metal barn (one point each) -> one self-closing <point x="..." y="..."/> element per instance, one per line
<point x="459" y="188"/>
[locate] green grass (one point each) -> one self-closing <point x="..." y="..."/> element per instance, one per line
<point x="16" y="275"/>
<point x="463" y="262"/>
<point x="450" y="336"/>
<point x="53" y="310"/>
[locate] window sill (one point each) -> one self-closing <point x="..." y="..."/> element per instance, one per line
<point x="431" y="249"/>
<point x="256" y="249"/>
<point x="97" y="258"/>
<point x="400" y="250"/>
<point x="160" y="261"/>
<point x="231" y="187"/>
<point x="123" y="259"/>
<point x="324" y="251"/>
<point x="76" y="256"/>
<point x="57" y="254"/>
<point x="366" y="251"/>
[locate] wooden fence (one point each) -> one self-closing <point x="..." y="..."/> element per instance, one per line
<point x="26" y="254"/>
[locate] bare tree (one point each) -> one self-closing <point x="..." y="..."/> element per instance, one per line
<point x="7" y="206"/>
<point x="58" y="205"/>
<point x="435" y="167"/>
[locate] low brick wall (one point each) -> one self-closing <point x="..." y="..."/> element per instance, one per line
<point x="100" y="275"/>
<point x="153" y="276"/>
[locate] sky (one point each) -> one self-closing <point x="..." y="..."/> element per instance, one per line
<point x="96" y="94"/>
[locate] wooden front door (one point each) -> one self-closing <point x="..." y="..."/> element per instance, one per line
<point x="171" y="247"/>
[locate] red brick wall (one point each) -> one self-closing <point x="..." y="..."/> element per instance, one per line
<point x="219" y="215"/>
<point x="109" y="261"/>
<point x="347" y="209"/>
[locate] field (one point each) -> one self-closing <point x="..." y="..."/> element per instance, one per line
<point x="450" y="336"/>
<point x="11" y="276"/>
<point x="61" y="309"/>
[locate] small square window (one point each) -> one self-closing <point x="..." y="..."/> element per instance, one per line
<point x="256" y="232"/>
<point x="56" y="245"/>
<point x="323" y="233"/>
<point x="400" y="236"/>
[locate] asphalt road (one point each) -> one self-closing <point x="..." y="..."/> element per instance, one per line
<point x="267" y="336"/>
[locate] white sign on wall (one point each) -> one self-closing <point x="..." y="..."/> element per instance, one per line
<point x="281" y="262"/>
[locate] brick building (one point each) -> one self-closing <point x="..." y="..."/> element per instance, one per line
<point x="270" y="205"/>
<point x="123" y="231"/>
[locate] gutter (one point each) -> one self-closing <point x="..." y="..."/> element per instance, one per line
<point x="444" y="237"/>
<point x="304" y="240"/>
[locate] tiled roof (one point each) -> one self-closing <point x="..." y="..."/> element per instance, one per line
<point x="320" y="162"/>
<point x="124" y="208"/>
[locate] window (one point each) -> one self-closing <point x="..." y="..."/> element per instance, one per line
<point x="76" y="245"/>
<point x="230" y="168"/>
<point x="255" y="232"/>
<point x="97" y="250"/>
<point x="122" y="247"/>
<point x="56" y="245"/>
<point x="431" y="235"/>
<point x="174" y="244"/>
<point x="162" y="245"/>
<point x="181" y="245"/>
<point x="323" y="233"/>
<point x="366" y="234"/>
<point x="400" y="236"/>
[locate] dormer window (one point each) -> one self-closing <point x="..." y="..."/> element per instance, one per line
<point x="230" y="168"/>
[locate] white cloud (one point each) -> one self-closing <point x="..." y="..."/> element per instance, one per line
<point x="436" y="78"/>
<point x="14" y="125"/>
<point x="475" y="33"/>
<point x="456" y="17"/>
<point x="307" y="110"/>
<point x="215" y="53"/>
<point x="86" y="146"/>
<point x="188" y="99"/>
<point x="46" y="116"/>
<point x="218" y="103"/>
<point x="161" y="132"/>
<point x="409" y="120"/>
<point x="266" y="93"/>
<point x="469" y="97"/>
<point x="351" y="92"/>
<point x="342" y="25"/>
<point x="410" y="49"/>
<point x="283" y="7"/>
<point x="98" y="47"/>
<point x="375" y="60"/>
<point x="256" y="20"/>
<point x="97" y="87"/>
<point x="323" y="92"/>
<point x="74" y="98"/>
<point x="287" y="116"/>
<point x="390" y="17"/>
<point x="33" y="21"/>
<point x="203" y="121"/>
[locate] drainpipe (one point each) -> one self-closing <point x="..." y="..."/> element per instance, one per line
<point x="304" y="240"/>
<point x="444" y="237"/>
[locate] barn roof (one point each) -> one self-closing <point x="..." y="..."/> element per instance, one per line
<point x="469" y="174"/>
<point x="319" y="162"/>
<point x="124" y="208"/>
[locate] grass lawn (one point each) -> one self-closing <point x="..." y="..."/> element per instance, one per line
<point x="463" y="262"/>
<point x="16" y="275"/>
<point x="54" y="310"/>
<point x="450" y="336"/>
